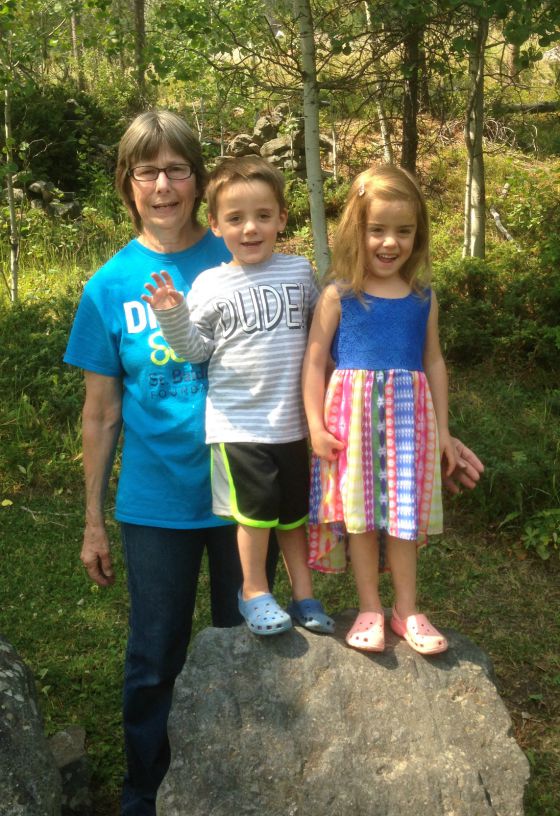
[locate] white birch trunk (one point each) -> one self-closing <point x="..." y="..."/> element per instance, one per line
<point x="304" y="19"/>
<point x="467" y="209"/>
<point x="388" y="153"/>
<point x="334" y="154"/>
<point x="14" y="232"/>
<point x="76" y="49"/>
<point x="475" y="209"/>
<point x="140" y="44"/>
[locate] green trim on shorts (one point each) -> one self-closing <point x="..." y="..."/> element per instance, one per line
<point x="294" y="524"/>
<point x="237" y="515"/>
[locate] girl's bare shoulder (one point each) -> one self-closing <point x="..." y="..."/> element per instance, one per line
<point x="331" y="294"/>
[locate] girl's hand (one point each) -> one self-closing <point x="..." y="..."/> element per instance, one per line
<point x="447" y="453"/>
<point x="163" y="295"/>
<point x="326" y="445"/>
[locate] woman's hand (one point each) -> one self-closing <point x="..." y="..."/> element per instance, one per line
<point x="163" y="295"/>
<point x="96" y="555"/>
<point x="467" y="471"/>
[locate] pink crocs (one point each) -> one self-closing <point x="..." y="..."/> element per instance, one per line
<point x="367" y="633"/>
<point x="419" y="633"/>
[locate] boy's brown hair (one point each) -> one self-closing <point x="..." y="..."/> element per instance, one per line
<point x="247" y="169"/>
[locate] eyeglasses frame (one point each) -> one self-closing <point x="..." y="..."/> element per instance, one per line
<point x="130" y="172"/>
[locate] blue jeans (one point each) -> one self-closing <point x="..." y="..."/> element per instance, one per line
<point x="163" y="566"/>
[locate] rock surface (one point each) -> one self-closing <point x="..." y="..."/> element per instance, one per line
<point x="243" y="145"/>
<point x="68" y="748"/>
<point x="30" y="783"/>
<point x="302" y="725"/>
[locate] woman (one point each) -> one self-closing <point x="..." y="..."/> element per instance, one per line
<point x="134" y="382"/>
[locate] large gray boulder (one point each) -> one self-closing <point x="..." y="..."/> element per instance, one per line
<point x="266" y="128"/>
<point x="30" y="783"/>
<point x="68" y="749"/>
<point x="242" y="145"/>
<point x="302" y="725"/>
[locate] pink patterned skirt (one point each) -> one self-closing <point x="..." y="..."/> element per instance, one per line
<point x="388" y="476"/>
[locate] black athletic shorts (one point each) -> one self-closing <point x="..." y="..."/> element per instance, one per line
<point x="261" y="485"/>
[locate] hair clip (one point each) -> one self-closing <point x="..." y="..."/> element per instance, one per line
<point x="361" y="189"/>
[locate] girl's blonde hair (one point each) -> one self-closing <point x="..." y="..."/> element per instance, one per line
<point x="349" y="267"/>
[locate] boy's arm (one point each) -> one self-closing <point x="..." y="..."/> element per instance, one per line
<point x="179" y="330"/>
<point x="436" y="373"/>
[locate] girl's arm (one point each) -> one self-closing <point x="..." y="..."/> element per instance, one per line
<point x="183" y="335"/>
<point x="315" y="366"/>
<point x="436" y="373"/>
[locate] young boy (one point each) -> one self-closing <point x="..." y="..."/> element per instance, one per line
<point x="250" y="319"/>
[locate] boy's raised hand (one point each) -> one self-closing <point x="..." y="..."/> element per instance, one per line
<point x="163" y="294"/>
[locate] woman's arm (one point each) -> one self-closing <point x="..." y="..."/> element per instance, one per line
<point x="185" y="337"/>
<point x="101" y="426"/>
<point x="315" y="367"/>
<point x="467" y="472"/>
<point x="436" y="373"/>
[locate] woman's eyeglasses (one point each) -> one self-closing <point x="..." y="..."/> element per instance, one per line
<point x="175" y="172"/>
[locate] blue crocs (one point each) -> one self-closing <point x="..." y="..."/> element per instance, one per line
<point x="263" y="615"/>
<point x="310" y="614"/>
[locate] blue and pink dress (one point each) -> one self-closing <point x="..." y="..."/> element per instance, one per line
<point x="379" y="404"/>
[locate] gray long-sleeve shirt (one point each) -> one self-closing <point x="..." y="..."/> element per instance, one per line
<point x="251" y="322"/>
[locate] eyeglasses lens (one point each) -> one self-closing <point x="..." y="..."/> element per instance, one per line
<point x="175" y="172"/>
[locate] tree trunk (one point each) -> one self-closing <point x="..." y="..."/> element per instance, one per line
<point x="334" y="153"/>
<point x="409" y="151"/>
<point x="425" y="101"/>
<point x="384" y="126"/>
<point x="140" y="44"/>
<point x="513" y="51"/>
<point x="76" y="49"/>
<point x="467" y="209"/>
<point x="14" y="232"/>
<point x="531" y="107"/>
<point x="304" y="18"/>
<point x="475" y="202"/>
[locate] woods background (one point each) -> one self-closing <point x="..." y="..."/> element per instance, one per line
<point x="465" y="94"/>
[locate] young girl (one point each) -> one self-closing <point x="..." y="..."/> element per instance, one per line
<point x="378" y="434"/>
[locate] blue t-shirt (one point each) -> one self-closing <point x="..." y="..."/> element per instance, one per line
<point x="165" y="473"/>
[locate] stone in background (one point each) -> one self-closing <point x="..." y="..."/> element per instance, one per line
<point x="30" y="783"/>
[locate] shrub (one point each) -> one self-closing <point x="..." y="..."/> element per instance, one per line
<point x="71" y="135"/>
<point x="511" y="421"/>
<point x="505" y="308"/>
<point x="41" y="395"/>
